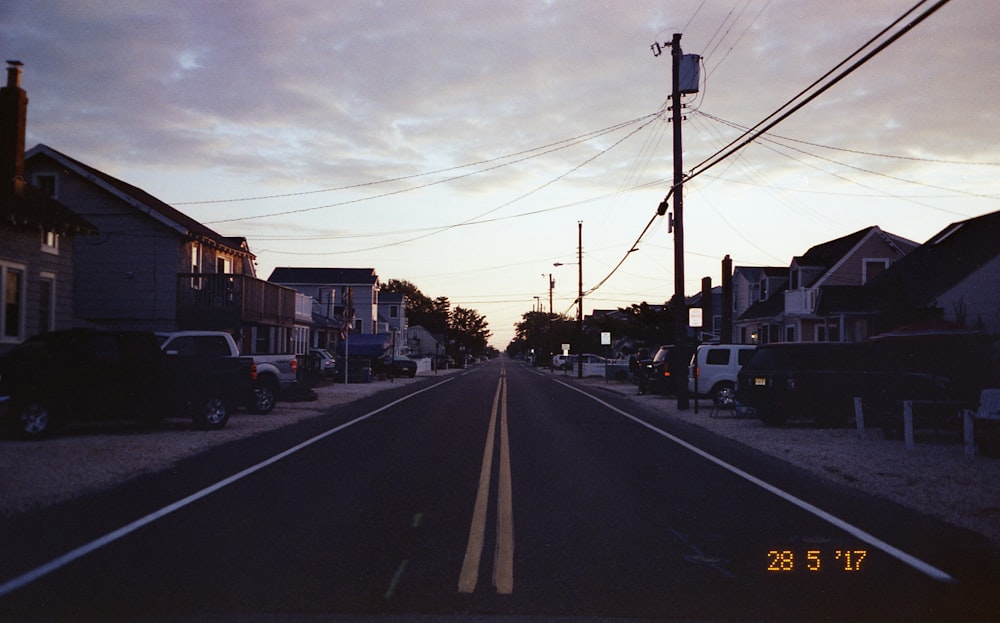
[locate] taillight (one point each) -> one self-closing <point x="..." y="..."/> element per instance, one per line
<point x="295" y="365"/>
<point x="253" y="372"/>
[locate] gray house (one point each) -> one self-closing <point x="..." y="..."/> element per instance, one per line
<point x="36" y="235"/>
<point x="329" y="289"/>
<point x="151" y="267"/>
<point x="819" y="299"/>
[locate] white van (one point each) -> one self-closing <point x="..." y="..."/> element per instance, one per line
<point x="714" y="367"/>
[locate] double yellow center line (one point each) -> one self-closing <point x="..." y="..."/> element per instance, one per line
<point x="503" y="560"/>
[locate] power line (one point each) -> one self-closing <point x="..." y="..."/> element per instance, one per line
<point x="543" y="149"/>
<point x="754" y="133"/>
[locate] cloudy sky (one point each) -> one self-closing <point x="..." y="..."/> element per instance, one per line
<point x="457" y="144"/>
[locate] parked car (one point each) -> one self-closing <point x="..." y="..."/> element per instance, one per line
<point x="562" y="362"/>
<point x="713" y="369"/>
<point x="327" y="363"/>
<point x="88" y="374"/>
<point x="275" y="373"/>
<point x="820" y="380"/>
<point x="398" y="365"/>
<point x="656" y="375"/>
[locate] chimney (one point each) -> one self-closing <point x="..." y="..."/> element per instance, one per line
<point x="13" y="121"/>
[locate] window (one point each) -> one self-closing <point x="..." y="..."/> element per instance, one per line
<point x="872" y="267"/>
<point x="46" y="303"/>
<point x="394" y="311"/>
<point x="195" y="265"/>
<point x="790" y="333"/>
<point x="46" y="184"/>
<point x="717" y="357"/>
<point x="50" y="242"/>
<point x="223" y="265"/>
<point x="12" y="320"/>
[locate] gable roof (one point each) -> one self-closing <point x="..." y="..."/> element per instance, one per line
<point x="142" y="201"/>
<point x="338" y="276"/>
<point x="942" y="262"/>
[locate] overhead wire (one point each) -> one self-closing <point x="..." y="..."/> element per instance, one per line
<point x="778" y="116"/>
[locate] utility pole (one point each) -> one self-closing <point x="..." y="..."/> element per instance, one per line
<point x="579" y="300"/>
<point x="679" y="85"/>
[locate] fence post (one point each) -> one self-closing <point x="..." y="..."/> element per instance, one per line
<point x="968" y="425"/>
<point x="859" y="416"/>
<point x="908" y="423"/>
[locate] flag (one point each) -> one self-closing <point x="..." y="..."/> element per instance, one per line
<point x="347" y="295"/>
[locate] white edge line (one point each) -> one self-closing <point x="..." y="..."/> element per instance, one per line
<point x="75" y="554"/>
<point x="912" y="561"/>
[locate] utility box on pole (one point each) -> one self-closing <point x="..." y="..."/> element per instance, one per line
<point x="690" y="65"/>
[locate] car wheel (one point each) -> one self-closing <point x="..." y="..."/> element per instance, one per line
<point x="33" y="419"/>
<point x="724" y="395"/>
<point x="265" y="394"/>
<point x="212" y="414"/>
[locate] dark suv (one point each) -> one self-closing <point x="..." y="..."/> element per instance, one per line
<point x="819" y="381"/>
<point x="656" y="375"/>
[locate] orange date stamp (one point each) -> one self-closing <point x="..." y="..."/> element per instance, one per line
<point x="815" y="560"/>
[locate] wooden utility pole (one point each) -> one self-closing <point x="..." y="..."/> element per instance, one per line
<point x="678" y="364"/>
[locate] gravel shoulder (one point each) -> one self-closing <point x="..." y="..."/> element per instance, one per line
<point x="934" y="478"/>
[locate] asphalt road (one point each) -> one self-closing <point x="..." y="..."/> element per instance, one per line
<point x="493" y="494"/>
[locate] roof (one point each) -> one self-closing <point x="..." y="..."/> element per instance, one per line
<point x="35" y="208"/>
<point x="942" y="262"/>
<point x="391" y="298"/>
<point x="141" y="200"/>
<point x="829" y="253"/>
<point x="325" y="276"/>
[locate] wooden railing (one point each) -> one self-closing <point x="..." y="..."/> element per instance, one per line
<point x="223" y="301"/>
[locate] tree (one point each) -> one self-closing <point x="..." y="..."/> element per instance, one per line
<point x="543" y="334"/>
<point x="465" y="330"/>
<point x="469" y="330"/>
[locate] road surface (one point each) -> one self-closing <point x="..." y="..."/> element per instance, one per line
<point x="498" y="493"/>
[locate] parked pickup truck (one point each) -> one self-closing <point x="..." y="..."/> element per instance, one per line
<point x="85" y="374"/>
<point x="275" y="373"/>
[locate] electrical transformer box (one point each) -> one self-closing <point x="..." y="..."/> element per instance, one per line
<point x="689" y="73"/>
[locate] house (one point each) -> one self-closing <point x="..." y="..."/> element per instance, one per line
<point x="820" y="297"/>
<point x="36" y="235"/>
<point x="329" y="289"/>
<point x="422" y="342"/>
<point x="392" y="319"/>
<point x="153" y="268"/>
<point x="954" y="276"/>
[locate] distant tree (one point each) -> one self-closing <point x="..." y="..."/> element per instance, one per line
<point x="462" y="328"/>
<point x="469" y="330"/>
<point x="646" y="324"/>
<point x="543" y="334"/>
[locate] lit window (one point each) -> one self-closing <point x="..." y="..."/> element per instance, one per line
<point x="50" y="242"/>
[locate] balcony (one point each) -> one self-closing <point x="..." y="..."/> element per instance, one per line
<point x="225" y="302"/>
<point x="801" y="302"/>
